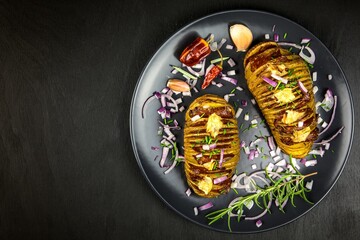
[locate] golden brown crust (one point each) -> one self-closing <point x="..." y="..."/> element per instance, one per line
<point x="227" y="140"/>
<point x="276" y="104"/>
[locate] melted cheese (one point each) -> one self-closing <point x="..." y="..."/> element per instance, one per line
<point x="300" y="136"/>
<point x="285" y="95"/>
<point x="213" y="125"/>
<point x="205" y="185"/>
<point x="209" y="165"/>
<point x="291" y="116"/>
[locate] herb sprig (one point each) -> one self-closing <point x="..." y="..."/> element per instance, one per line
<point x="282" y="189"/>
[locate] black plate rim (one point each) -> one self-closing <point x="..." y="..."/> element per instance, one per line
<point x="159" y="50"/>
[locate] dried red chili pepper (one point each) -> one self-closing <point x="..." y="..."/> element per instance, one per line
<point x="195" y="52"/>
<point x="211" y="75"/>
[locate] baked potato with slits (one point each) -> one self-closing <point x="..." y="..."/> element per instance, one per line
<point x="210" y="134"/>
<point x="289" y="109"/>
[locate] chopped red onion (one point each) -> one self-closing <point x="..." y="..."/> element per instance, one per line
<point x="328" y="101"/>
<point x="188" y="192"/>
<point x="182" y="108"/>
<point x="315" y="89"/>
<point x="244" y="103"/>
<point x="278" y="150"/>
<point x="302" y="87"/>
<point x="220" y="179"/>
<point x="229" y="79"/>
<point x="305" y="40"/>
<point x="276" y="37"/>
<point x="271" y="142"/>
<point x="206" y="206"/>
<point x="242" y="144"/>
<point x="319" y="151"/>
<point x="330" y="139"/>
<point x="270" y="167"/>
<point x="311" y="163"/>
<point x="269" y="81"/>
<point x="258" y="223"/>
<point x="221" y="160"/>
<point x="283" y="80"/>
<point x="303" y="161"/>
<point x="163" y="156"/>
<point x="252" y="154"/>
<point x="277" y="158"/>
<point x="154" y="148"/>
<point x="247" y="150"/>
<point x="231" y="62"/>
<point x="294" y="45"/>
<point x="199" y="155"/>
<point x="310" y="59"/>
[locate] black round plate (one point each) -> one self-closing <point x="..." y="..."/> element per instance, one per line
<point x="171" y="187"/>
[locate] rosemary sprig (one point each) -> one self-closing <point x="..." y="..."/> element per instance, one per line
<point x="282" y="189"/>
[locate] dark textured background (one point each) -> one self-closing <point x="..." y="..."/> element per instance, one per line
<point x="67" y="73"/>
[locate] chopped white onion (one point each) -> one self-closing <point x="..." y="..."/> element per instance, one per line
<point x="195" y="118"/>
<point x="238" y="112"/>
<point x="267" y="36"/>
<point x="246" y="117"/>
<point x="309" y="184"/>
<point x="239" y="88"/>
<point x="231" y="73"/>
<point x="229" y="46"/>
<point x="196" y="211"/>
<point x="231" y="62"/>
<point x="311" y="163"/>
<point x="277" y="158"/>
<point x="330" y="77"/>
<point x="270" y="167"/>
<point x="272" y="153"/>
<point x="188" y="192"/>
<point x="300" y="124"/>
<point x="315" y="89"/>
<point x="314" y="76"/>
<point x="253" y="166"/>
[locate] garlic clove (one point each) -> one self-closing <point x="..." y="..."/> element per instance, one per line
<point x="241" y="36"/>
<point x="178" y="85"/>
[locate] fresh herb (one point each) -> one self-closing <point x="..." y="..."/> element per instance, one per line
<point x="280" y="189"/>
<point x="235" y="191"/>
<point x="232" y="91"/>
<point x="185" y="73"/>
<point x="216" y="60"/>
<point x="224" y="131"/>
<point x="290" y="49"/>
<point x="290" y="72"/>
<point x="285" y="35"/>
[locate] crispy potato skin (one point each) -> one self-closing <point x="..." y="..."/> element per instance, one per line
<point x="261" y="61"/>
<point x="227" y="139"/>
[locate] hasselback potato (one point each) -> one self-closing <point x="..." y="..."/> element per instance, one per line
<point x="211" y="145"/>
<point x="289" y="108"/>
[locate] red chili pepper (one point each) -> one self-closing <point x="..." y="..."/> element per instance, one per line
<point x="195" y="52"/>
<point x="211" y="75"/>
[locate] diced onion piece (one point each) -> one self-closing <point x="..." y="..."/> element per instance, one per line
<point x="314" y="76"/>
<point x="231" y="62"/>
<point x="300" y="124"/>
<point x="270" y="167"/>
<point x="206" y="147"/>
<point x="219" y="85"/>
<point x="283" y="80"/>
<point x="246" y="117"/>
<point x="327" y="146"/>
<point x="196" y="211"/>
<point x="276" y="37"/>
<point x="253" y="166"/>
<point x="239" y="88"/>
<point x="273" y="28"/>
<point x="279" y="169"/>
<point x="272" y="153"/>
<point x="220" y="179"/>
<point x="253" y="101"/>
<point x="238" y="112"/>
<point x="206" y="206"/>
<point x="278" y="150"/>
<point x="258" y="223"/>
<point x="242" y="144"/>
<point x="188" y="192"/>
<point x="247" y="150"/>
<point x="324" y="124"/>
<point x="311" y="163"/>
<point x="231" y="73"/>
<point x="330" y="77"/>
<point x="249" y="204"/>
<point x="271" y="143"/>
<point x="181" y="109"/>
<point x="230" y="80"/>
<point x="269" y="81"/>
<point x="223" y="40"/>
<point x="328" y="102"/>
<point x="309" y="184"/>
<point x="315" y="89"/>
<point x="305" y="40"/>
<point x="199" y="155"/>
<point x="229" y="46"/>
<point x="319" y="151"/>
<point x="277" y="158"/>
<point x="310" y="59"/>
<point x="163" y="156"/>
<point x="195" y="118"/>
<point x="302" y="87"/>
<point x="221" y="160"/>
<point x="267" y="36"/>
